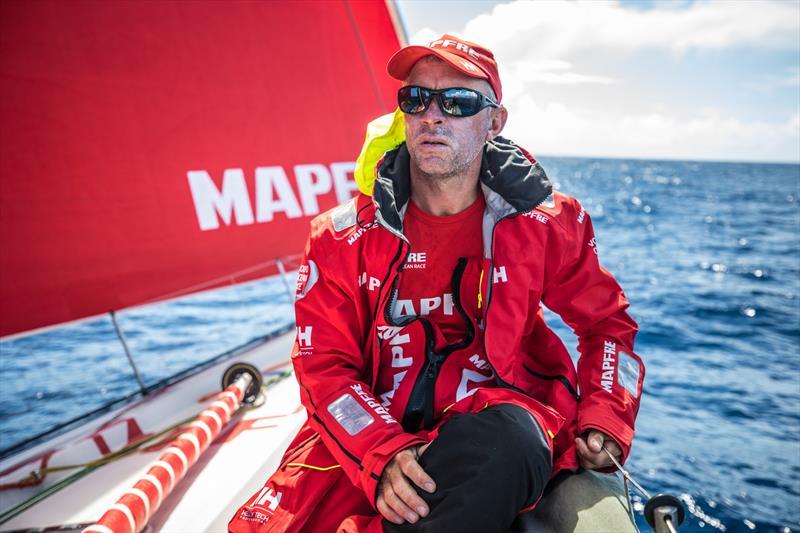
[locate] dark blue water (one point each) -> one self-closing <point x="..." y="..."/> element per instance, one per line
<point x="709" y="256"/>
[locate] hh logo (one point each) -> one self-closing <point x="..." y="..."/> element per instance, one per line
<point x="267" y="496"/>
<point x="500" y="275"/>
<point x="304" y="340"/>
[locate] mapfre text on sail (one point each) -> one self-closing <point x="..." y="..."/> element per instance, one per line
<point x="274" y="193"/>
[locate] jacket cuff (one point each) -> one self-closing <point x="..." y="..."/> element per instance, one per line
<point x="377" y="459"/>
<point x="613" y="427"/>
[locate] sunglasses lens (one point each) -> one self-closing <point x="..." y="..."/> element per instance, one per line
<point x="456" y="102"/>
<point x="412" y="100"/>
<point x="461" y="102"/>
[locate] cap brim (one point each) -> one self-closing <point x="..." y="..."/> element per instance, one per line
<point x="401" y="63"/>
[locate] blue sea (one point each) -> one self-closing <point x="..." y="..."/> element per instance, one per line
<point x="709" y="257"/>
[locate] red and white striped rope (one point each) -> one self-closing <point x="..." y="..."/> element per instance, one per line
<point x="132" y="511"/>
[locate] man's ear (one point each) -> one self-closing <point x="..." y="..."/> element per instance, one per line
<point x="498" y="122"/>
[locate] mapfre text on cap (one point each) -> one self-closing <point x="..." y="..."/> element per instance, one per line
<point x="444" y="43"/>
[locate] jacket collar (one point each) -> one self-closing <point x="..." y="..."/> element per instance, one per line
<point x="511" y="180"/>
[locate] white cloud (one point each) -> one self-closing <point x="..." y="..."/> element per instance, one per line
<point x="556" y="129"/>
<point x="554" y="72"/>
<point x="555" y="43"/>
<point x="767" y="84"/>
<point x="557" y="27"/>
<point x="424" y="36"/>
<point x="532" y="37"/>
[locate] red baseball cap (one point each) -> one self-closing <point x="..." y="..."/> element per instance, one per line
<point x="464" y="56"/>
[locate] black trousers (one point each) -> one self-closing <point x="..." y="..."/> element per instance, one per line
<point x="487" y="466"/>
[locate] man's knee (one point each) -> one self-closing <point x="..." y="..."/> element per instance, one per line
<point x="505" y="436"/>
<point x="500" y="426"/>
<point x="488" y="466"/>
<point x="517" y="437"/>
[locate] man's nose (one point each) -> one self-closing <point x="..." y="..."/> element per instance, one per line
<point x="434" y="113"/>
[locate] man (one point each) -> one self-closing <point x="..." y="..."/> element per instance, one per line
<point x="438" y="398"/>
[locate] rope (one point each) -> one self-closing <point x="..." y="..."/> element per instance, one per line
<point x="36" y="477"/>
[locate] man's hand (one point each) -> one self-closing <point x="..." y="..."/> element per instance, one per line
<point x="590" y="450"/>
<point x="397" y="500"/>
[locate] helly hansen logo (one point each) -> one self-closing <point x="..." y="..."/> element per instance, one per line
<point x="253" y="516"/>
<point x="267" y="499"/>
<point x="445" y="43"/>
<point x="304" y="340"/>
<point x="609" y="360"/>
<point x="500" y="275"/>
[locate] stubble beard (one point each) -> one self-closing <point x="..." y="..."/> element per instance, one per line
<point x="456" y="171"/>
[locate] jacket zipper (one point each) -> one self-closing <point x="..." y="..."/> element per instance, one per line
<point x="424" y="386"/>
<point x="420" y="405"/>
<point x="564" y="381"/>
<point x="490" y="290"/>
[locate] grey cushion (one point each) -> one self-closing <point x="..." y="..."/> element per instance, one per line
<point x="589" y="502"/>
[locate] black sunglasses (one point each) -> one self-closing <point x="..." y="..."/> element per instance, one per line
<point x="455" y="101"/>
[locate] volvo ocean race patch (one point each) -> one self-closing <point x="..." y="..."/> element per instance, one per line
<point x="628" y="373"/>
<point x="350" y="414"/>
<point x="307" y="276"/>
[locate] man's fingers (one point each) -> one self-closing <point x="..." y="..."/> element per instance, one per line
<point x="409" y="496"/>
<point x="415" y="473"/>
<point x="398" y="505"/>
<point x="397" y="499"/>
<point x="614" y="449"/>
<point x="580" y="446"/>
<point x="387" y="511"/>
<point x="586" y="456"/>
<point x="595" y="441"/>
<point x="591" y="460"/>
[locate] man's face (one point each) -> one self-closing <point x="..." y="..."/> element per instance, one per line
<point x="442" y="145"/>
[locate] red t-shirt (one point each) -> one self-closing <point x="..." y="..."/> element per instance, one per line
<point x="437" y="242"/>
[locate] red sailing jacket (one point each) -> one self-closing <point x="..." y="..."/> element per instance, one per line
<point x="539" y="247"/>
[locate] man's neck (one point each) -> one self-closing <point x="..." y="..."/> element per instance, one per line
<point x="442" y="196"/>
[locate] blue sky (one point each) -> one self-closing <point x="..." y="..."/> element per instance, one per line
<point x="650" y="79"/>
